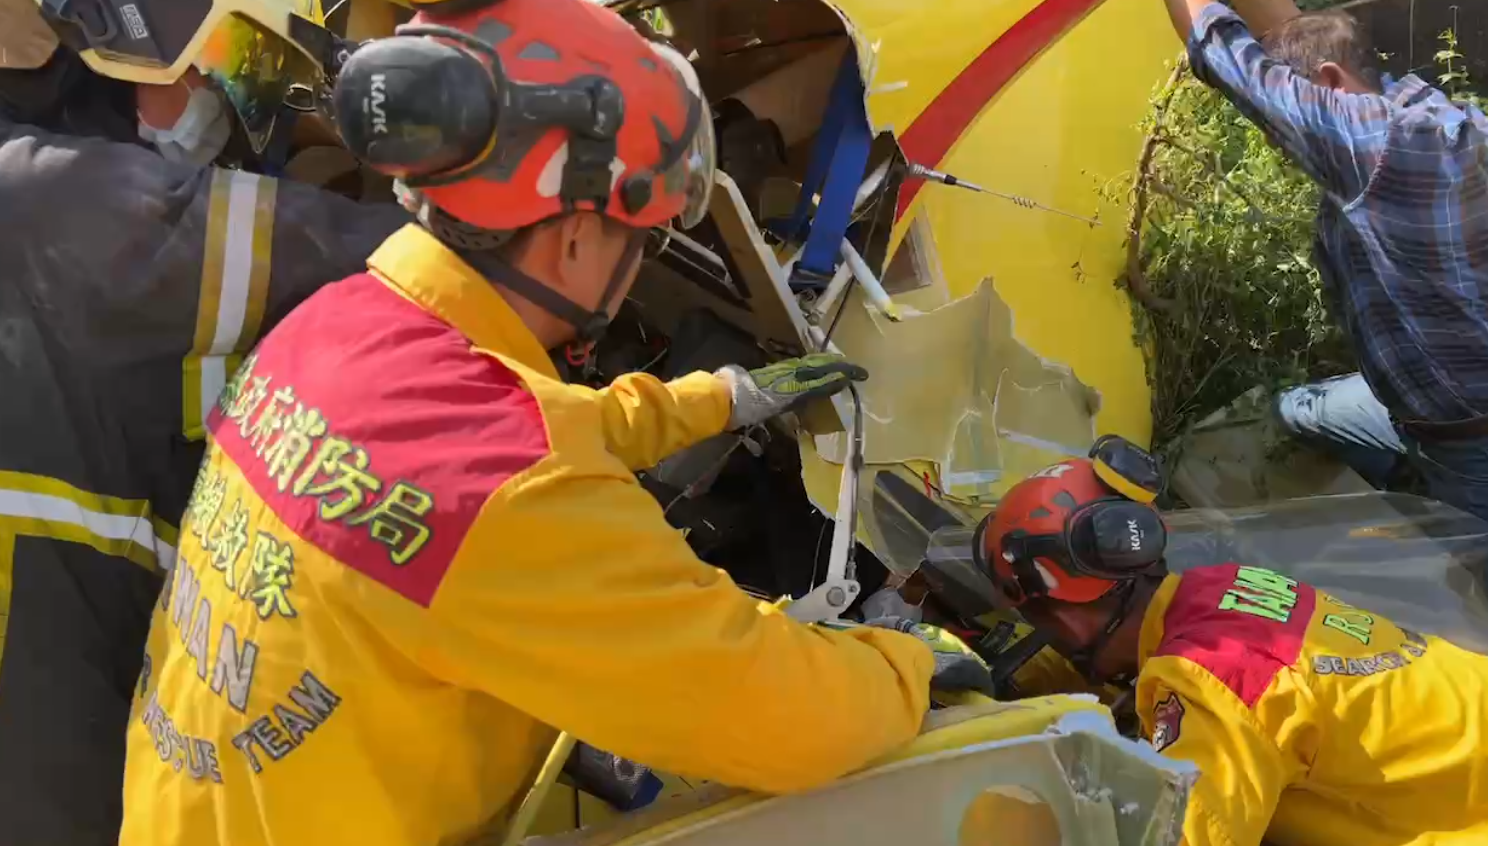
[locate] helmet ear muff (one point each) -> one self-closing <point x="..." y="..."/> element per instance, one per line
<point x="1126" y="468"/>
<point x="1116" y="539"/>
<point x="416" y="108"/>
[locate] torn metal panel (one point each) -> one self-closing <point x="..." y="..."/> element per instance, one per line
<point x="956" y="388"/>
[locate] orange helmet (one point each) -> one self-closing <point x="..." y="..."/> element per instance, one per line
<point x="1066" y="533"/>
<point x="504" y="113"/>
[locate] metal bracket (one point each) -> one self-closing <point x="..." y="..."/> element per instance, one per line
<point x="833" y="596"/>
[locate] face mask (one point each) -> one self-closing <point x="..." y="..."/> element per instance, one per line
<point x="200" y="133"/>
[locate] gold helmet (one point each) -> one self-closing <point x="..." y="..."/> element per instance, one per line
<point x="255" y="50"/>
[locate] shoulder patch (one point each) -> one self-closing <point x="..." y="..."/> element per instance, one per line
<point x="1242" y="624"/>
<point x="1167" y="722"/>
<point x="376" y="433"/>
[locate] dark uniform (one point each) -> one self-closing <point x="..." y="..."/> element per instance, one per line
<point x="131" y="287"/>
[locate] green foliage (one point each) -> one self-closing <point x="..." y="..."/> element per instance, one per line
<point x="657" y="19"/>
<point x="1453" y="77"/>
<point x="1227" y="241"/>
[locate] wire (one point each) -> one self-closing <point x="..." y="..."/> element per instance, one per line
<point x="919" y="171"/>
<point x="816" y="554"/>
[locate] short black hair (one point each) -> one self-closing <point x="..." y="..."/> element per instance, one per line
<point x="1312" y="39"/>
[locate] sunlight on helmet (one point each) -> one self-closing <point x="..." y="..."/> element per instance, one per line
<point x="698" y="162"/>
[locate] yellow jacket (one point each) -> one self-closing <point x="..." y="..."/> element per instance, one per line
<point x="1312" y="722"/>
<point x="412" y="550"/>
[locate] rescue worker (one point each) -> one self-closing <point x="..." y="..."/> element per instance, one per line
<point x="1311" y="721"/>
<point x="412" y="550"/>
<point x="44" y="85"/>
<point x="130" y="287"/>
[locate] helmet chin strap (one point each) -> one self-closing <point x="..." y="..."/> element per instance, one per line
<point x="1084" y="660"/>
<point x="589" y="326"/>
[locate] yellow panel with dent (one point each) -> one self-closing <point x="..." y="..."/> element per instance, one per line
<point x="1057" y="134"/>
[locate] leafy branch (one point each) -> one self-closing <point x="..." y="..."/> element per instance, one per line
<point x="1454" y="78"/>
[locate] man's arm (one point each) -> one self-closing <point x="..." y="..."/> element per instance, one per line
<point x="1189" y="714"/>
<point x="1183" y="13"/>
<point x="573" y="601"/>
<point x="131" y="258"/>
<point x="1261" y="16"/>
<point x="266" y="246"/>
<point x="645" y="419"/>
<point x="1335" y="136"/>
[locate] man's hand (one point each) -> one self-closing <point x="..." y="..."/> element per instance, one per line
<point x="785" y="386"/>
<point x="957" y="668"/>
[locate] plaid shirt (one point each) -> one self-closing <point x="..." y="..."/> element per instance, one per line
<point x="1402" y="236"/>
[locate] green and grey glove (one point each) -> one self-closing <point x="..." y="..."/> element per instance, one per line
<point x="957" y="667"/>
<point x="785" y="386"/>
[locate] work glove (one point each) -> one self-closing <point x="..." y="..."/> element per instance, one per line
<point x="785" y="386"/>
<point x="957" y="668"/>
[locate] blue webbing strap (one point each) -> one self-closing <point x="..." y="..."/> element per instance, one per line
<point x="838" y="161"/>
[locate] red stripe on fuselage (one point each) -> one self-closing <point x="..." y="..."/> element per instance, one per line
<point x="930" y="137"/>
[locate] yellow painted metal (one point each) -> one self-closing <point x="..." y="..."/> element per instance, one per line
<point x="1058" y="134"/>
<point x="979" y="721"/>
<point x="1061" y="131"/>
<point x="910" y="52"/>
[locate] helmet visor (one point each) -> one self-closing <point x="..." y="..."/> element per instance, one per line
<point x="255" y="69"/>
<point x="692" y="173"/>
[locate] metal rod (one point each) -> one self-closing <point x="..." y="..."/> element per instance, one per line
<point x="874" y="181"/>
<point x="871" y="286"/>
<point x="919" y="171"/>
<point x="835" y="288"/>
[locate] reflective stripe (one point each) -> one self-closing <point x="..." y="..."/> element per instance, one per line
<point x="135" y="528"/>
<point x="234" y="288"/>
<point x="42" y="507"/>
<point x="114" y="526"/>
<point x="237" y="262"/>
<point x="213" y="380"/>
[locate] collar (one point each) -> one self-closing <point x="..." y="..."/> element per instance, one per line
<point x="1152" y="621"/>
<point x="415" y="264"/>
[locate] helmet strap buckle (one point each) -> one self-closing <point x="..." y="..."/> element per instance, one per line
<point x="586" y="175"/>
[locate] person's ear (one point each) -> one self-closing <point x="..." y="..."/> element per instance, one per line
<point x="1332" y="75"/>
<point x="581" y="253"/>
